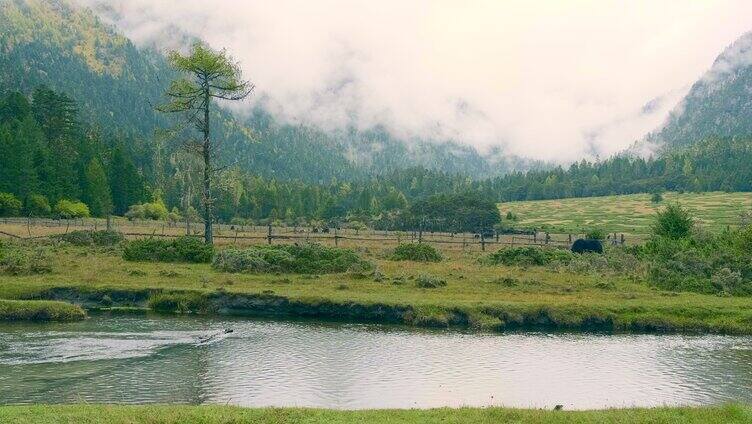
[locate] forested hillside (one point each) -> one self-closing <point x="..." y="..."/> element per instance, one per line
<point x="117" y="85"/>
<point x="719" y="104"/>
<point x="77" y="122"/>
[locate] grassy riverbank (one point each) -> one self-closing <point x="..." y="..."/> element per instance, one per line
<point x="83" y="414"/>
<point x="39" y="310"/>
<point x="475" y="295"/>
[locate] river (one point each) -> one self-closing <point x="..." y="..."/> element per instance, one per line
<point x="127" y="358"/>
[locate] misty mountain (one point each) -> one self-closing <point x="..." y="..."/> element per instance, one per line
<point x="116" y="85"/>
<point x="719" y="104"/>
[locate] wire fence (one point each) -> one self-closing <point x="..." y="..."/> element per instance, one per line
<point x="38" y="228"/>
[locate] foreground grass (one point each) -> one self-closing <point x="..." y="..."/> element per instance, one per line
<point x="630" y="214"/>
<point x="83" y="414"/>
<point x="475" y="296"/>
<point x="39" y="310"/>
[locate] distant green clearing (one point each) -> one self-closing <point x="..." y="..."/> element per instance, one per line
<point x="630" y="214"/>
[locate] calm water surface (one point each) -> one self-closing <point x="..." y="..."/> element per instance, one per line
<point x="141" y="359"/>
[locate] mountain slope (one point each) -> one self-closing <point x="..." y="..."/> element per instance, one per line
<point x="117" y="85"/>
<point x="717" y="105"/>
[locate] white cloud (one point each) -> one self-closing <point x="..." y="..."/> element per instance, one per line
<point x="555" y="80"/>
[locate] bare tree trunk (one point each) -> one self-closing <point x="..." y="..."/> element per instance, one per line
<point x="208" y="218"/>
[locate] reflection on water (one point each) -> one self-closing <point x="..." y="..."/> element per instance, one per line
<point x="139" y="359"/>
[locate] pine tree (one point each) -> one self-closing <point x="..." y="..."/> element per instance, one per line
<point x="97" y="190"/>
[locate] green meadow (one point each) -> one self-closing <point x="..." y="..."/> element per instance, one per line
<point x="630" y="214"/>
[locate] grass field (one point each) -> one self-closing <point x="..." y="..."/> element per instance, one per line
<point x="89" y="414"/>
<point x="475" y="296"/>
<point x="39" y="310"/>
<point x="629" y="214"/>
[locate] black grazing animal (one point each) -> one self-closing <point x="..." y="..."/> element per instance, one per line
<point x="584" y="246"/>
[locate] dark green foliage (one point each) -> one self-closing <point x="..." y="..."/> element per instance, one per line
<point x="527" y="255"/>
<point x="656" y="197"/>
<point x="595" y="234"/>
<point x="307" y="259"/>
<point x="673" y="222"/>
<point x="419" y="252"/>
<point x="458" y="212"/>
<point x="181" y="249"/>
<point x="37" y="206"/>
<point x="180" y="302"/>
<point x="429" y="282"/>
<point x="96" y="191"/>
<point x="681" y="259"/>
<point x="92" y="238"/>
<point x="9" y="205"/>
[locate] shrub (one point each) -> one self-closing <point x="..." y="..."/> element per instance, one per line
<point x="429" y="282"/>
<point x="37" y="205"/>
<point x="240" y="260"/>
<point x="92" y="238"/>
<point x="9" y="205"/>
<point x="701" y="262"/>
<point x="656" y="197"/>
<point x="419" y="252"/>
<point x="155" y="210"/>
<point x="181" y="249"/>
<point x="308" y="259"/>
<point x="595" y="234"/>
<point x="68" y="209"/>
<point x="178" y="302"/>
<point x="673" y="222"/>
<point x="17" y="261"/>
<point x="528" y="255"/>
<point x="728" y="281"/>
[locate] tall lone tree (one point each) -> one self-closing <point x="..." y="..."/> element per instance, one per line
<point x="209" y="75"/>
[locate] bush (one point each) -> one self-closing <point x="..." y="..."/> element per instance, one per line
<point x="673" y="222"/>
<point x="308" y="259"/>
<point x="155" y="210"/>
<point x="429" y="282"/>
<point x="92" y="238"/>
<point x="17" y="261"/>
<point x="656" y="197"/>
<point x="595" y="234"/>
<point x="701" y="262"/>
<point x="37" y="205"/>
<point x="528" y="255"/>
<point x="181" y="249"/>
<point x="9" y="205"/>
<point x="68" y="209"/>
<point x="178" y="302"/>
<point x="418" y="252"/>
<point x="240" y="260"/>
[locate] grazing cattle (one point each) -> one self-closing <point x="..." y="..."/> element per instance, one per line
<point x="585" y="246"/>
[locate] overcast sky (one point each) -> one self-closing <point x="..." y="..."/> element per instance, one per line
<point x="555" y="80"/>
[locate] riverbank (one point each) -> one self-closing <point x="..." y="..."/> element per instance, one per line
<point x="474" y="296"/>
<point x="39" y="310"/>
<point x="82" y="414"/>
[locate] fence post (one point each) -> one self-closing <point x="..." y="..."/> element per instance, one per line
<point x="269" y="234"/>
<point x="336" y="238"/>
<point x="482" y="242"/>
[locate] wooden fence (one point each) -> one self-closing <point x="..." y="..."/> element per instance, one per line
<point x="33" y="228"/>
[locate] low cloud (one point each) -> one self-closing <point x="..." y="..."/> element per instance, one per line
<point x="550" y="80"/>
